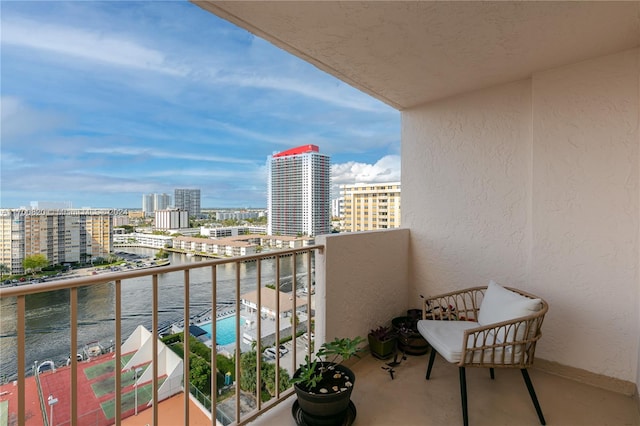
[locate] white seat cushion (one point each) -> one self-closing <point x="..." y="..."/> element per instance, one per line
<point x="446" y="337"/>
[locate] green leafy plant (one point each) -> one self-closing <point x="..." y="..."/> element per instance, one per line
<point x="314" y="370"/>
<point x="383" y="333"/>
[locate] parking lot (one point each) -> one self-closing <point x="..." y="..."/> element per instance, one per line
<point x="286" y="360"/>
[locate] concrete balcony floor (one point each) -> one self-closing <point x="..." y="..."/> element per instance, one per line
<point x="411" y="400"/>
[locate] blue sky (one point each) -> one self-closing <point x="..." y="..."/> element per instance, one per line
<point x="102" y="102"/>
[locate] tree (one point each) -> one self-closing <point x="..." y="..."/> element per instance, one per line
<point x="268" y="374"/>
<point x="248" y="379"/>
<point x="35" y="263"/>
<point x="200" y="373"/>
<point x="128" y="228"/>
<point x="4" y="269"/>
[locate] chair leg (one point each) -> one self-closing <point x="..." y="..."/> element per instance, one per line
<point x="463" y="396"/>
<point x="532" y="393"/>
<point x="432" y="357"/>
<point x="492" y="373"/>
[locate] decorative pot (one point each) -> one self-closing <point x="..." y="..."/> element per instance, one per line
<point x="410" y="341"/>
<point x="324" y="409"/>
<point x="382" y="349"/>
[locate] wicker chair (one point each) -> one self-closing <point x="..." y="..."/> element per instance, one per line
<point x="487" y="327"/>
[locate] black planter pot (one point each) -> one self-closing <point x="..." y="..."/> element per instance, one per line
<point x="410" y="341"/>
<point x="325" y="409"/>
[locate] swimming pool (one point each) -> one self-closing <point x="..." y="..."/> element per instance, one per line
<point x="225" y="329"/>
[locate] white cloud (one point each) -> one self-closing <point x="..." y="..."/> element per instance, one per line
<point x="387" y="169"/>
<point x="85" y="44"/>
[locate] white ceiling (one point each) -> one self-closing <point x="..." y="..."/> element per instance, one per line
<point x="406" y="53"/>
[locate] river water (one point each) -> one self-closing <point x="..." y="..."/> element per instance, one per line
<point x="48" y="314"/>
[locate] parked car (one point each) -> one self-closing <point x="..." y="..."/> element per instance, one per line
<point x="269" y="353"/>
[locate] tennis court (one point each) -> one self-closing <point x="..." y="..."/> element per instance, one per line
<point x="105" y="367"/>
<point x="108" y="384"/>
<point x="129" y="400"/>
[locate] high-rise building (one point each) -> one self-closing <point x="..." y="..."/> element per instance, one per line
<point x="299" y="192"/>
<point x="63" y="236"/>
<point x="153" y="202"/>
<point x="187" y="199"/>
<point x="147" y="204"/>
<point x="161" y="201"/>
<point x="369" y="206"/>
<point x="172" y="219"/>
<point x="336" y="207"/>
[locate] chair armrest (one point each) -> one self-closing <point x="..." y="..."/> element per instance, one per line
<point x="453" y="306"/>
<point x="504" y="344"/>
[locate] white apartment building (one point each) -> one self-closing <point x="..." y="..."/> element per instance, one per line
<point x="219" y="247"/>
<point x="231" y="231"/>
<point x="171" y="219"/>
<point x="299" y="192"/>
<point x="144" y="240"/>
<point x="336" y="207"/>
<point x="370" y="206"/>
<point x="238" y="215"/>
<point x="63" y="236"/>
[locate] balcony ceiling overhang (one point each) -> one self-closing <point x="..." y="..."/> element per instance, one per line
<point x="410" y="53"/>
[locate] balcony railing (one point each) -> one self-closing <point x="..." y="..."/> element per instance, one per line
<point x="119" y="280"/>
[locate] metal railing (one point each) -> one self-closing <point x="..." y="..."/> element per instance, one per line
<point x="153" y="274"/>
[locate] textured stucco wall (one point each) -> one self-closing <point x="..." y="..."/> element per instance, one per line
<point x="365" y="285"/>
<point x="535" y="184"/>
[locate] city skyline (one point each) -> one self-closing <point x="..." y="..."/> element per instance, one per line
<point x="103" y="102"/>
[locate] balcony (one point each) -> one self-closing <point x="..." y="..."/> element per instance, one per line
<point x="520" y="162"/>
<point x="409" y="399"/>
<point x="358" y="286"/>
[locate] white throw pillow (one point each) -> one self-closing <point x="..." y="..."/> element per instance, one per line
<point x="500" y="304"/>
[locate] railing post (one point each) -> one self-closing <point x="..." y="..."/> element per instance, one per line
<point x="74" y="361"/>
<point x="214" y="345"/>
<point x="21" y="360"/>
<point x="238" y="354"/>
<point x="154" y="361"/>
<point x="187" y="346"/>
<point x="118" y="349"/>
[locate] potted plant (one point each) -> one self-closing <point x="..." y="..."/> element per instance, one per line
<point x="410" y="341"/>
<point x="382" y="342"/>
<point x="323" y="385"/>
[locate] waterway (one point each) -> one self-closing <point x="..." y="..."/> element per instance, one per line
<point x="48" y="315"/>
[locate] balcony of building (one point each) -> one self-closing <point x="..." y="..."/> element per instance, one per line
<point x="520" y="163"/>
<point x="520" y="160"/>
<point x="363" y="280"/>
